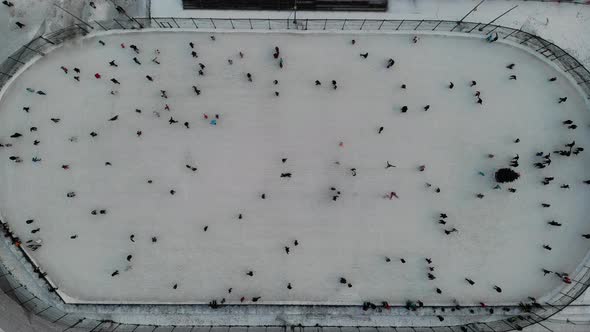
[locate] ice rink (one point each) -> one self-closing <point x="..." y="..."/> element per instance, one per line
<point x="327" y="136"/>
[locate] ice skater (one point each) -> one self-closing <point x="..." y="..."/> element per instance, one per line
<point x="136" y="61"/>
<point x="512" y="77"/>
<point x="115" y="81"/>
<point x="497" y="289"/>
<point x="562" y="100"/>
<point x="510" y="66"/>
<point x="451" y="85"/>
<point x="452" y="230"/>
<point x="426" y="108"/>
<point x="196" y="90"/>
<point x="390" y="63"/>
<point x="113" y="63"/>
<point x="547" y="180"/>
<point x="471" y="282"/>
<point x="554" y="223"/>
<point x="133" y="47"/>
<point x="365" y="55"/>
<point x="547" y="247"/>
<point x="492" y="37"/>
<point x="334" y="84"/>
<point x="249" y="77"/>
<point x="380" y="130"/>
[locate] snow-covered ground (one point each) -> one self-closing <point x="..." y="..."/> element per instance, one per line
<point x="566" y="24"/>
<point x="42" y="16"/>
<point x="323" y="133"/>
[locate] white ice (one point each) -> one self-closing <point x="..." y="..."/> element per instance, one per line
<point x="499" y="239"/>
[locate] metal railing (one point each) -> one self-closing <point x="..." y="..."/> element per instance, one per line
<point x="521" y="316"/>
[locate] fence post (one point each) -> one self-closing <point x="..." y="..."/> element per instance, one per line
<point x="526" y="40"/>
<point x="474" y="28"/>
<point x="510" y="34"/>
<point x="121" y="25"/>
<point x="195" y="23"/>
<point x="74" y="325"/>
<point x="38" y="313"/>
<point x="32" y="298"/>
<point x="100" y="25"/>
<point x="362" y="25"/>
<point x="57" y="320"/>
<point x="213" y="23"/>
<point x="343" y="24"/>
<point x="436" y="26"/>
<point x="178" y="26"/>
<point x="81" y="28"/>
<point x="400" y="24"/>
<point x="325" y="23"/>
<point x="382" y="21"/>
<point x="47" y="40"/>
<point x="250" y="20"/>
<point x="418" y="25"/>
<point x="579" y="65"/>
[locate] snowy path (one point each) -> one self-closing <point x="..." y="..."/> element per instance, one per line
<point x="499" y="239"/>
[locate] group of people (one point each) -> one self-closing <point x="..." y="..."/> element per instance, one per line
<point x="335" y="194"/>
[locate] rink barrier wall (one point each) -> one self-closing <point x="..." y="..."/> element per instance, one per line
<point x="44" y="300"/>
